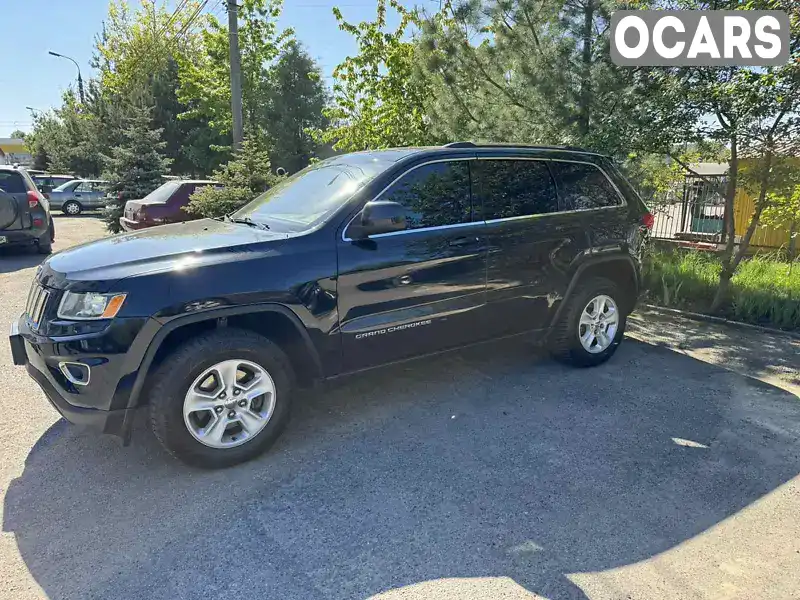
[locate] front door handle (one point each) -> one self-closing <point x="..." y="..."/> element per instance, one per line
<point x="404" y="280"/>
<point x="463" y="241"/>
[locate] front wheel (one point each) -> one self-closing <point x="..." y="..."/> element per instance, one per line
<point x="221" y="398"/>
<point x="592" y="324"/>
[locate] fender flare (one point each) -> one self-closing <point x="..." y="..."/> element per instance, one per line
<point x="589" y="263"/>
<point x="215" y="315"/>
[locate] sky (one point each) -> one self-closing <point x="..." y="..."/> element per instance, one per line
<point x="30" y="77"/>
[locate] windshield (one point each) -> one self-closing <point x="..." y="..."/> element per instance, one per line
<point x="311" y="196"/>
<point x="163" y="192"/>
<point x="64" y="187"/>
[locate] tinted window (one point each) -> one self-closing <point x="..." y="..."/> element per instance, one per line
<point x="516" y="188"/>
<point x="12" y="183"/>
<point x="584" y="186"/>
<point x="434" y="195"/>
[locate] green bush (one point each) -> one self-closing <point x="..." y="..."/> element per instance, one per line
<point x="764" y="291"/>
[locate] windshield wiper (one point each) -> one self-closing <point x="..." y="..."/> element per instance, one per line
<point x="247" y="221"/>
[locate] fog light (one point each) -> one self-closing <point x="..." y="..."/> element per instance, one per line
<point x="75" y="372"/>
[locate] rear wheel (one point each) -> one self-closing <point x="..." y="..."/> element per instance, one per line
<point x="71" y="208"/>
<point x="221" y="398"/>
<point x="45" y="243"/>
<point x="592" y="324"/>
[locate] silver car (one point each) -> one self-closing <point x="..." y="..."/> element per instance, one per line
<point x="75" y="196"/>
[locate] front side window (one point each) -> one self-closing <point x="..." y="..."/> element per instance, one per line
<point x="434" y="195"/>
<point x="583" y="186"/>
<point x="515" y="188"/>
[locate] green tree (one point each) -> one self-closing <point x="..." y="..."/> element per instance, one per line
<point x="753" y="112"/>
<point x="138" y="54"/>
<point x="205" y="77"/>
<point x="530" y="71"/>
<point x="136" y="166"/>
<point x="377" y="100"/>
<point x="18" y="134"/>
<point x="247" y="175"/>
<point x="297" y="100"/>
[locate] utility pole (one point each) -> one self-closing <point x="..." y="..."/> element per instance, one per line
<point x="236" y="73"/>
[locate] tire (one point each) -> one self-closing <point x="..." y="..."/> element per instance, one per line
<point x="177" y="374"/>
<point x="72" y="208"/>
<point x="45" y="243"/>
<point x="565" y="344"/>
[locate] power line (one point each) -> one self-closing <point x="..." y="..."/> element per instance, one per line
<point x="194" y="16"/>
<point x="181" y="5"/>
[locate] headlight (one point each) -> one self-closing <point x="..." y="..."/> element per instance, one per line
<point x="90" y="306"/>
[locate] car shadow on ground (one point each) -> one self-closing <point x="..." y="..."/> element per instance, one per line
<point x="492" y="462"/>
<point x="18" y="258"/>
<point x="86" y="214"/>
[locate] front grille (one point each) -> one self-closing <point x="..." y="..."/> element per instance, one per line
<point x="37" y="302"/>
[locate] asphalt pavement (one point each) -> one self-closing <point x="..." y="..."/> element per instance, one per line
<point x="488" y="473"/>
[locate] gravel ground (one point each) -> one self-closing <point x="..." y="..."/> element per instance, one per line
<point x="489" y="473"/>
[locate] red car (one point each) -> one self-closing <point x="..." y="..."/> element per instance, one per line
<point x="163" y="205"/>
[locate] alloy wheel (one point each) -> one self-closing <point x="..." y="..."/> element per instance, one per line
<point x="598" y="324"/>
<point x="229" y="403"/>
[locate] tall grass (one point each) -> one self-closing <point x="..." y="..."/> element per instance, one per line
<point x="764" y="291"/>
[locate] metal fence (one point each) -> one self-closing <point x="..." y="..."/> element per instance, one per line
<point x="692" y="212"/>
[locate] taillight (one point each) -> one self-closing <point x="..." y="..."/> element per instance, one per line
<point x="33" y="199"/>
<point x="648" y="220"/>
<point x="38" y="222"/>
<point x="119" y="196"/>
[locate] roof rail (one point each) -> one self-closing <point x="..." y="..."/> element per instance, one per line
<point x="512" y="145"/>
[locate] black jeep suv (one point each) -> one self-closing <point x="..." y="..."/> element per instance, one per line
<point x="355" y="262"/>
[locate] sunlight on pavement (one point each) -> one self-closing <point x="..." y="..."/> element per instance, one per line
<point x="753" y="554"/>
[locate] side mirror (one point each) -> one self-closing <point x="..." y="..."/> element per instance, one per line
<point x="378" y="217"/>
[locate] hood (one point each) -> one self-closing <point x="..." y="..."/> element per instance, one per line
<point x="156" y="249"/>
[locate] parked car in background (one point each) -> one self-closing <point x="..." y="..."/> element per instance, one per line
<point x="47" y="182"/>
<point x="24" y="212"/>
<point x="163" y="205"/>
<point x="75" y="196"/>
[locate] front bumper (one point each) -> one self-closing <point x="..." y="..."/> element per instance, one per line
<point x="39" y="358"/>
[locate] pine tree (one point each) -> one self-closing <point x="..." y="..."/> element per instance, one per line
<point x="247" y="175"/>
<point x="531" y="71"/>
<point x="136" y="166"/>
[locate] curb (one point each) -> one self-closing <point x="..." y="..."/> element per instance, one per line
<point x="719" y="320"/>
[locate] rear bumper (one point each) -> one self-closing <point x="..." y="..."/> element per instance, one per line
<point x="128" y="225"/>
<point x="18" y="237"/>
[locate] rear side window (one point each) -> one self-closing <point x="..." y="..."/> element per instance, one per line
<point x="434" y="195"/>
<point x="515" y="188"/>
<point x="583" y="186"/>
<point x="12" y="182"/>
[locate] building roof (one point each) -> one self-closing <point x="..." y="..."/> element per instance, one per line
<point x="709" y="169"/>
